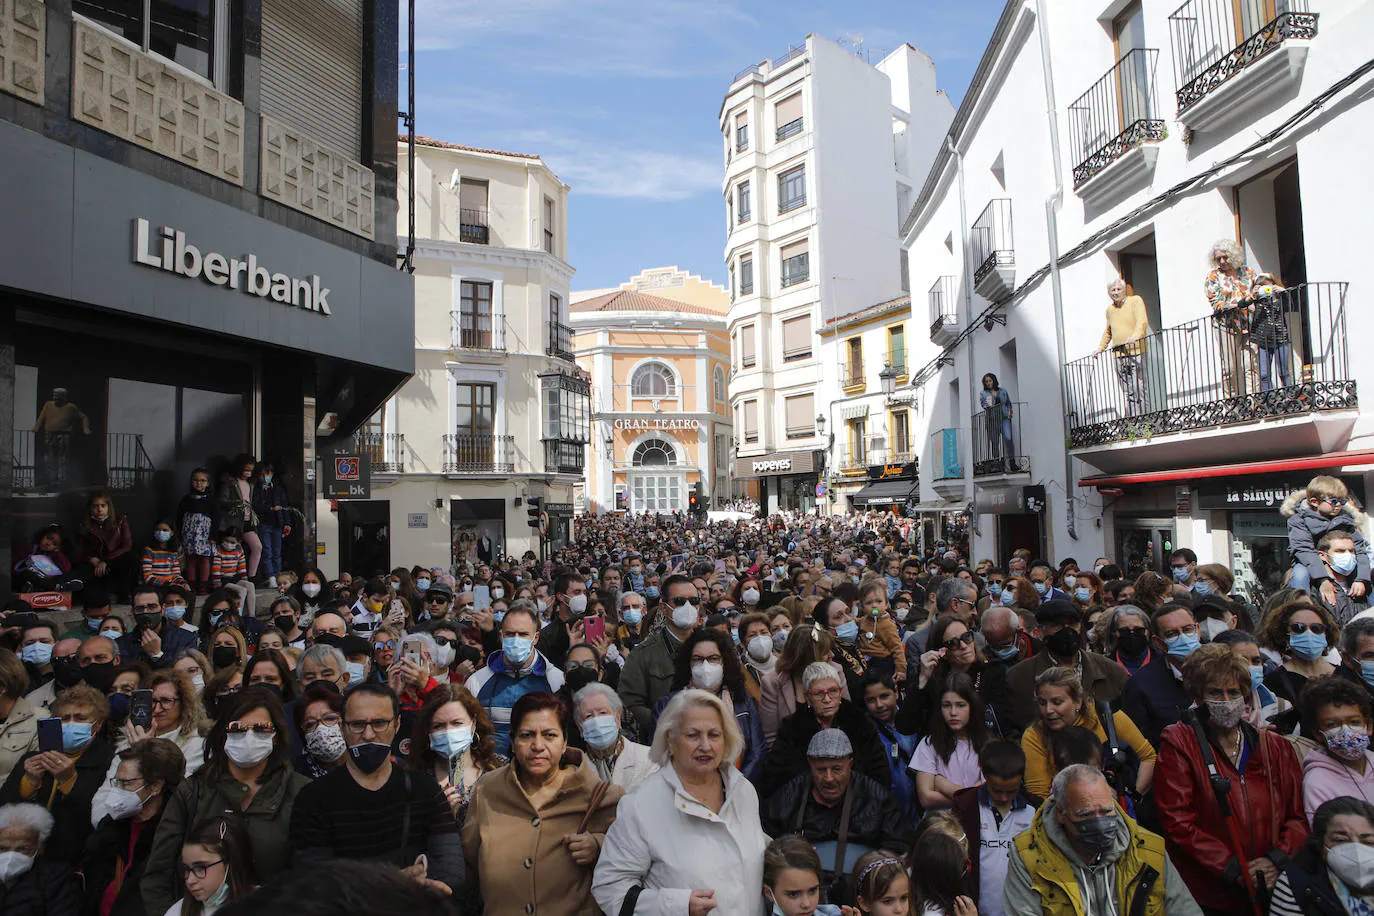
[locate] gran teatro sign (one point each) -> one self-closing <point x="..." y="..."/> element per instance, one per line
<point x="657" y="423"/>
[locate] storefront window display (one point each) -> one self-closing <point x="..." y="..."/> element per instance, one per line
<point x="478" y="531"/>
<point x="1259" y="553"/>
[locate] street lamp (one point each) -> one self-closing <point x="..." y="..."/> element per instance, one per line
<point x="820" y="424"/>
<point x="888" y="379"/>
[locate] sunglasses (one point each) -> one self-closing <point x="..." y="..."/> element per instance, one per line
<point x="1317" y="629"/>
<point x="965" y="639"/>
<point x="436" y="599"/>
<point x="680" y="600"/>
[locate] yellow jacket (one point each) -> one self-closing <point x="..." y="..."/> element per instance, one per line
<point x="1126" y="322"/>
<point x="1040" y="768"/>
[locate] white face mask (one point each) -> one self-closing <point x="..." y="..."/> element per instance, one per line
<point x="761" y="648"/>
<point x="445" y="656"/>
<point x="198" y="681"/>
<point x="577" y="605"/>
<point x="1353" y="863"/>
<point x="311" y="589"/>
<point x="685" y="617"/>
<point x="1212" y="628"/>
<point x="14" y="864"/>
<point x="750" y="596"/>
<point x="708" y="675"/>
<point x="123" y="803"/>
<point x="326" y="743"/>
<point x="248" y="748"/>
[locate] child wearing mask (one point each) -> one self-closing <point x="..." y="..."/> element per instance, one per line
<point x="1324" y="506"/>
<point x="229" y="566"/>
<point x="195" y="521"/>
<point x="879" y="640"/>
<point x="161" y="562"/>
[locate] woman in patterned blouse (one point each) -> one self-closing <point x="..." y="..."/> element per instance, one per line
<point x="1228" y="286"/>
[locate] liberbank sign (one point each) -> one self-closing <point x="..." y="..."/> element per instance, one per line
<point x="169" y="250"/>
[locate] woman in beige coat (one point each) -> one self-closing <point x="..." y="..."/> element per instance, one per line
<point x="18" y="716"/>
<point x="534" y="827"/>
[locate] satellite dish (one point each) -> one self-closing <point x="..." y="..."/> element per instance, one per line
<point x="454" y="180"/>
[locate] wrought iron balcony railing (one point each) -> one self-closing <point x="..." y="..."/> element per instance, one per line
<point x="790" y="129"/>
<point x="852" y="373"/>
<point x="560" y="341"/>
<point x="1116" y="115"/>
<point x="56" y="462"/>
<point x="476" y="331"/>
<point x="992" y="239"/>
<point x="385" y="451"/>
<point x="997" y="443"/>
<point x="944" y="308"/>
<point x="473" y="226"/>
<point x="854" y="457"/>
<point x="479" y="453"/>
<point x="1213" y="40"/>
<point x="1276" y="357"/>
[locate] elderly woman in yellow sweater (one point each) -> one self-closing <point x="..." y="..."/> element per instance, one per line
<point x="1127" y="325"/>
<point x="1062" y="702"/>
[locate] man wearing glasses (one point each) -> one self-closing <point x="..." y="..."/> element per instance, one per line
<point x="151" y="641"/>
<point x="648" y="674"/>
<point x="1155" y="698"/>
<point x="438" y="601"/>
<point x="1061" y="626"/>
<point x="1079" y="838"/>
<point x="372" y="809"/>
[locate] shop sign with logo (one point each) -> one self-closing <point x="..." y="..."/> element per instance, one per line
<point x="347" y="475"/>
<point x="1261" y="491"/>
<point x="657" y="423"/>
<point x="775" y="464"/>
<point x="1011" y="500"/>
<point x="907" y="471"/>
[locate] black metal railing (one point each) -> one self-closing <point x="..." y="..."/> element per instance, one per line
<point x="386" y="451"/>
<point x="127" y="465"/>
<point x="851" y="373"/>
<point x="896" y="358"/>
<point x="564" y="456"/>
<point x="944" y="308"/>
<point x="992" y="239"/>
<point x="1213" y="40"/>
<point x="560" y="341"/>
<point x="1230" y="367"/>
<point x="742" y="138"/>
<point x="60" y="462"/>
<point x="853" y="457"/>
<point x="473" y="226"/>
<point x="1116" y="115"/>
<point x="997" y="444"/>
<point x="790" y="129"/>
<point x="796" y="269"/>
<point x="479" y="453"/>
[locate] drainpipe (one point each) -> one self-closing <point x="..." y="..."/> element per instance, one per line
<point x="1053" y="203"/>
<point x="969" y="488"/>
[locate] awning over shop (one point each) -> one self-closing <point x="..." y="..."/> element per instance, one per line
<point x="1359" y="458"/>
<point x="885" y="493"/>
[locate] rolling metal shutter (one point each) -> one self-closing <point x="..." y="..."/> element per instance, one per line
<point x="312" y="63"/>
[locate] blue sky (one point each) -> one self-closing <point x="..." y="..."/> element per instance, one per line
<point x="620" y="97"/>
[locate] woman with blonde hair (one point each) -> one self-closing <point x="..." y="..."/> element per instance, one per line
<point x="688" y="839"/>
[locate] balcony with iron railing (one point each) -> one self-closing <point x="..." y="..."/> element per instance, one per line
<point x="44" y="463"/>
<point x="944" y="311"/>
<point x="473" y="226"/>
<point x="1116" y="118"/>
<point x="1230" y="55"/>
<point x="564" y="456"/>
<point x="994" y="254"/>
<point x="386" y="451"/>
<point x="998" y="449"/>
<point x="855" y="457"/>
<point x="477" y="331"/>
<point x="560" y="341"/>
<point x="790" y="129"/>
<point x="1234" y="374"/>
<point x="852" y="376"/>
<point x="479" y="453"/>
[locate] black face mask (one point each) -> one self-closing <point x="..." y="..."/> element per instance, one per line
<point x="1064" y="642"/>
<point x="224" y="656"/>
<point x="66" y="672"/>
<point x="149" y="621"/>
<point x="1133" y="645"/>
<point x="99" y="675"/>
<point x="369" y="756"/>
<point x="580" y="677"/>
<point x="119" y="707"/>
<point x="286" y="622"/>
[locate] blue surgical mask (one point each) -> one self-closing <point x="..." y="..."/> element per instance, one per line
<point x="175" y="611"/>
<point x="1006" y="653"/>
<point x="38" y="653"/>
<point x="1307" y="645"/>
<point x="498" y="616"/>
<point x="451" y="742"/>
<point x="1082" y="593"/>
<point x="75" y="736"/>
<point x="516" y="649"/>
<point x="93" y="624"/>
<point x="1257" y="676"/>
<point x="356" y="672"/>
<point x="1367" y="672"/>
<point x="632" y="616"/>
<point x="1008" y="597"/>
<point x="600" y="732"/>
<point x="1180" y="574"/>
<point x="215" y="617"/>
<point x="162" y="535"/>
<point x="734" y="635"/>
<point x="995" y="589"/>
<point x="1182" y="645"/>
<point x="1343" y="562"/>
<point x="651" y="591"/>
<point x="847" y="631"/>
<point x="1202" y="587"/>
<point x="1041" y="587"/>
<point x="422" y="584"/>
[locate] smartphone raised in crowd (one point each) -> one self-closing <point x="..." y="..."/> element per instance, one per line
<point x="594" y="628"/>
<point x="50" y="734"/>
<point x="141" y="708"/>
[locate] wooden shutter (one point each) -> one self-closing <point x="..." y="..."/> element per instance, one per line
<point x="746" y="343"/>
<point x="800" y="410"/>
<point x="312" y="69"/>
<point x="751" y="419"/>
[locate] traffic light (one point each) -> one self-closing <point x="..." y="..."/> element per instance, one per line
<point x="534" y="506"/>
<point x="696" y="504"/>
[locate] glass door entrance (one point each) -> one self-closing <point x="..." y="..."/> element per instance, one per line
<point x="1143" y="545"/>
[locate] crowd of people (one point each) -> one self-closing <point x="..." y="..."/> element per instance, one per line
<point x="792" y="715"/>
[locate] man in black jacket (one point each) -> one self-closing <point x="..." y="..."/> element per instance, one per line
<point x="817" y="802"/>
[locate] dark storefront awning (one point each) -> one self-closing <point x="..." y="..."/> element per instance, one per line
<point x="885" y="493"/>
<point x="1364" y="457"/>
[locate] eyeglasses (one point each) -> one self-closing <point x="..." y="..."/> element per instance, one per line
<point x="359" y="726"/>
<point x="384" y="644"/>
<point x="127" y="784"/>
<point x="443" y="640"/>
<point x="165" y="702"/>
<point x="680" y="600"/>
<point x="147" y="608"/>
<point x="238" y="728"/>
<point x="330" y="718"/>
<point x="829" y="693"/>
<point x="200" y="868"/>
<point x="586" y="666"/>
<point x="706" y="659"/>
<point x="1318" y="629"/>
<point x="436" y="599"/>
<point x="1189" y="630"/>
<point x="965" y="639"/>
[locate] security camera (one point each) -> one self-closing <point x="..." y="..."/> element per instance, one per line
<point x="454" y="180"/>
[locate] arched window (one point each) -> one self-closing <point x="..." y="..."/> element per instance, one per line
<point x="654" y="453"/>
<point x="720" y="383"/>
<point x="653" y="380"/>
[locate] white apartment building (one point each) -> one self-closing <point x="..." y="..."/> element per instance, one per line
<point x="497" y="411"/>
<point x="815" y="133"/>
<point x="1170" y="126"/>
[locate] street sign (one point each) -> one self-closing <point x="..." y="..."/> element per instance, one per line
<point x="820" y="490"/>
<point x="417" y="520"/>
<point x="347" y="475"/>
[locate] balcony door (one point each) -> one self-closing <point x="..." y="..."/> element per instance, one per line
<point x="1133" y="68"/>
<point x="475" y="424"/>
<point x="1253" y="15"/>
<point x="1140" y="269"/>
<point x="475" y="324"/>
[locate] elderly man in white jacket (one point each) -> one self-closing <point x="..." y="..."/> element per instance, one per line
<point x="688" y="839"/>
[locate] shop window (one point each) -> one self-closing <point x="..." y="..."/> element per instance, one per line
<point x="181" y="31"/>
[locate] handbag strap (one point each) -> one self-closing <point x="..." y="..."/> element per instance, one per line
<point x="598" y="793"/>
<point x="405" y="821"/>
<point x="843" y="839"/>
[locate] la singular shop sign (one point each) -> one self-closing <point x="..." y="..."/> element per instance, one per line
<point x="169" y="250"/>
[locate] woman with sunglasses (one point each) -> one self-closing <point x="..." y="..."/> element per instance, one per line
<point x="221" y="609"/>
<point x="247" y="770"/>
<point x="1301" y="633"/>
<point x="953" y="649"/>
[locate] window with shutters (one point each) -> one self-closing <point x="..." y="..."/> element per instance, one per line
<point x="742" y="131"/>
<point x="788" y="116"/>
<point x="472" y="211"/>
<point x="800" y="416"/>
<point x="852" y="370"/>
<point x="792" y="189"/>
<point x="718" y="384"/>
<point x="548" y="224"/>
<point x="181" y="31"/>
<point x="746" y="275"/>
<point x="751" y="421"/>
<point x="312" y="69"/>
<point x="796" y="264"/>
<point x="474" y="317"/>
<point x="896" y="348"/>
<point x="745" y="211"/>
<point x="901" y="435"/>
<point x="796" y="338"/>
<point x="746" y="346"/>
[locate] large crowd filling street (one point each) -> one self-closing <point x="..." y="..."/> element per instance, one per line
<point x="791" y="714"/>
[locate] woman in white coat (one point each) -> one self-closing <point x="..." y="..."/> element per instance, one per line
<point x="687" y="841"/>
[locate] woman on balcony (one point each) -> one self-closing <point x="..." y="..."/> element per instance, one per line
<point x="1127" y="325"/>
<point x="1229" y="286"/>
<point x="996" y="405"/>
